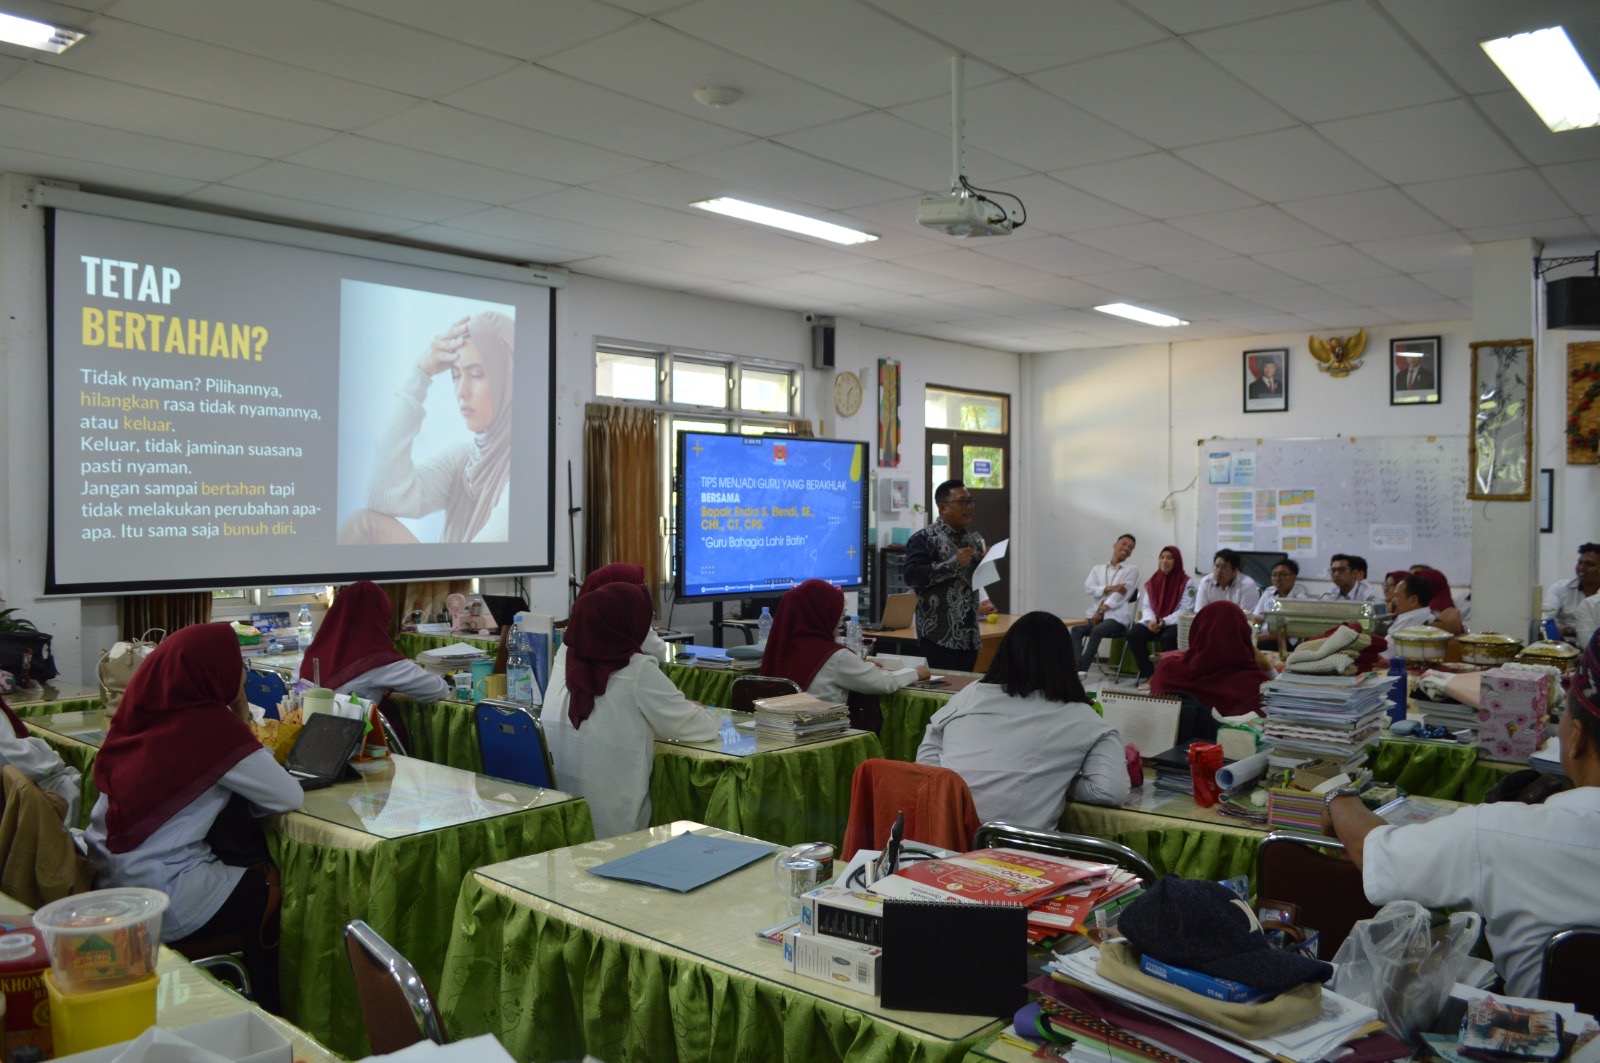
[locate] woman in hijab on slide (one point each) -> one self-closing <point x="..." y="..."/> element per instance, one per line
<point x="467" y="480"/>
<point x="801" y="648"/>
<point x="176" y="753"/>
<point x="352" y="652"/>
<point x="607" y="706"/>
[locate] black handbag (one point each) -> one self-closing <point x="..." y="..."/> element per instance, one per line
<point x="27" y="654"/>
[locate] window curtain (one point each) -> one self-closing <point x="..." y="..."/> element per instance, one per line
<point x="141" y="612"/>
<point x="622" y="491"/>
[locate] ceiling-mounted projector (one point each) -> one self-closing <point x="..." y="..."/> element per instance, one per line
<point x="963" y="214"/>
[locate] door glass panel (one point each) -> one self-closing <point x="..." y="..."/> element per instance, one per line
<point x="983" y="467"/>
<point x="965" y="411"/>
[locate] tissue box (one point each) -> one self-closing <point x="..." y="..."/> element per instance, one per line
<point x="243" y="1037"/>
<point x="848" y="963"/>
<point x="1511" y="714"/>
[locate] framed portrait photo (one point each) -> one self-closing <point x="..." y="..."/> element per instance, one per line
<point x="1266" y="380"/>
<point x="1414" y="371"/>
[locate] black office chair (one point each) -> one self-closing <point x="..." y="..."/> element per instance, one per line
<point x="1314" y="874"/>
<point x="1567" y="972"/>
<point x="396" y="1007"/>
<point x="748" y="689"/>
<point x="997" y="834"/>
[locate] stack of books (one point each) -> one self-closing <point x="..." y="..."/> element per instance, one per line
<point x="800" y="716"/>
<point x="452" y="658"/>
<point x="1331" y="717"/>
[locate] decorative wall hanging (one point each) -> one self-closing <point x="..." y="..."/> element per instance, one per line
<point x="888" y="412"/>
<point x="1414" y="371"/>
<point x="1501" y="444"/>
<point x="1266" y="380"/>
<point x="1339" y="355"/>
<point x="1583" y="404"/>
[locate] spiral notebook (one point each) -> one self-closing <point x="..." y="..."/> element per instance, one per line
<point x="1148" y="721"/>
<point x="958" y="959"/>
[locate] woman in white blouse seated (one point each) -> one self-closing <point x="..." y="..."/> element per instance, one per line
<point x="352" y="653"/>
<point x="801" y="648"/>
<point x="35" y="759"/>
<point x="1024" y="736"/>
<point x="609" y="703"/>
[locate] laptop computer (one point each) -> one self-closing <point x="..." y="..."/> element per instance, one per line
<point x="321" y="755"/>
<point x="898" y="612"/>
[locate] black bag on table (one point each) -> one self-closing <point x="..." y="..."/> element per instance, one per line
<point x="17" y="647"/>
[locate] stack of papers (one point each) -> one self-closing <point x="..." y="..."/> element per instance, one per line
<point x="1335" y="717"/>
<point x="450" y="658"/>
<point x="800" y="716"/>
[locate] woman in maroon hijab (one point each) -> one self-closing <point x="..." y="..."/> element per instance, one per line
<point x="176" y="752"/>
<point x="1445" y="614"/>
<point x="801" y="648"/>
<point x="352" y="652"/>
<point x="609" y="703"/>
<point x="1221" y="668"/>
<point x="1166" y="594"/>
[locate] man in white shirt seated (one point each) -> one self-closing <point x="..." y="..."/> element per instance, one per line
<point x="1410" y="606"/>
<point x="1111" y="587"/>
<point x="1529" y="870"/>
<point x="1349" y="575"/>
<point x="1563" y="599"/>
<point x="1227" y="584"/>
<point x="1285" y="584"/>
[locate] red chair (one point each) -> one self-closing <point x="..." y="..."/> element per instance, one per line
<point x="938" y="806"/>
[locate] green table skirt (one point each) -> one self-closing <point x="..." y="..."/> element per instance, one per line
<point x="1198" y="850"/>
<point x="551" y="990"/>
<point x="404" y="888"/>
<point x="444" y="732"/>
<point x="708" y="686"/>
<point x="28" y="709"/>
<point x="79" y="755"/>
<point x="1437" y="769"/>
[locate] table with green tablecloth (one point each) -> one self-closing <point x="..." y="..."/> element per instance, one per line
<point x="557" y="962"/>
<point x="47" y="699"/>
<point x="410" y="643"/>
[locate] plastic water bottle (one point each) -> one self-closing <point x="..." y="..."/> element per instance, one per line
<point x="303" y="630"/>
<point x="764" y="625"/>
<point x="852" y="636"/>
<point x="519" y="666"/>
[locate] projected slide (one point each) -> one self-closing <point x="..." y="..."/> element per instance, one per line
<point x="231" y="411"/>
<point x="762" y="513"/>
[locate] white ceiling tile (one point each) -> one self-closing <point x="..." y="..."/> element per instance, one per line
<point x="447" y="175"/>
<point x="1569" y="227"/>
<point x="526" y="29"/>
<point x="297" y="211"/>
<point x="1211" y="307"/>
<point x="1322" y="265"/>
<point x="882" y="144"/>
<point x="1158" y="186"/>
<point x="663" y="186"/>
<point x="1166" y="93"/>
<point x="1490" y="199"/>
<point x="1148" y="284"/>
<point x="68" y="94"/>
<point x="554" y="103"/>
<point x="1512" y="116"/>
<point x="909" y="306"/>
<point x="798" y="253"/>
<point x="660" y="65"/>
<point x="1056" y="208"/>
<point x="490" y="142"/>
<point x="354" y="193"/>
<point x="636" y="272"/>
<point x="1370" y="215"/>
<point x="552" y="232"/>
<point x="121" y="51"/>
<point x="1346" y="322"/>
<point x="1025" y="35"/>
<point x="362" y="48"/>
<point x="1451" y="30"/>
<point x="1383" y="291"/>
<point x="1427" y="143"/>
<point x="970" y="264"/>
<point x="995" y="301"/>
<point x="96" y="176"/>
<point x="1330" y="61"/>
<point x="1578" y="183"/>
<point x="1452" y="283"/>
<point x="1153" y="243"/>
<point x="1264" y="323"/>
<point x="686" y="259"/>
<point x="1430" y="312"/>
<point x="1236" y="274"/>
<point x="1253" y="230"/>
<point x="896" y="278"/>
<point x="821" y="287"/>
<point x="771" y="173"/>
<point x="1017" y="121"/>
<point x="1287" y="164"/>
<point x="494" y="246"/>
<point x="845" y="46"/>
<point x="626" y="215"/>
<point x="1054" y="254"/>
<point x="1061" y="291"/>
<point x="749" y="293"/>
<point x="68" y="139"/>
<point x="1416" y="254"/>
<point x="1308" y="299"/>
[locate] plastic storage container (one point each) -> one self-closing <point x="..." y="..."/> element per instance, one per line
<point x="81" y="1021"/>
<point x="103" y="938"/>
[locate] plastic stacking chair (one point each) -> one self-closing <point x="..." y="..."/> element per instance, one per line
<point x="996" y="834"/>
<point x="748" y="689"/>
<point x="1567" y="973"/>
<point x="1313" y="873"/>
<point x="396" y="1007"/>
<point x="264" y="690"/>
<point x="511" y="740"/>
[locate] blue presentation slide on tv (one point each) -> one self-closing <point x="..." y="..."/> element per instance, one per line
<point x="763" y="513"/>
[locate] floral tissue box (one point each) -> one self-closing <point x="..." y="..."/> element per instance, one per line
<point x="1512" y="707"/>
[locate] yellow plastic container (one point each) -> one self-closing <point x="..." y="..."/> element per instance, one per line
<point x="81" y="1021"/>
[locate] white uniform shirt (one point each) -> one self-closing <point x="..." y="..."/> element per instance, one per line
<point x="1562" y="600"/>
<point x="1018" y="755"/>
<point x="1529" y="870"/>
<point x="1147" y="612"/>
<point x="844" y="673"/>
<point x="1361" y="592"/>
<point x="1242" y="592"/>
<point x="406" y="678"/>
<point x="1420" y="617"/>
<point x="176" y="859"/>
<point x="35" y="759"/>
<point x="608" y="760"/>
<point x="1587" y="618"/>
<point x="1117" y="605"/>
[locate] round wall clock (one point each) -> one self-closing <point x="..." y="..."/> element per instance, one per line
<point x="847" y="393"/>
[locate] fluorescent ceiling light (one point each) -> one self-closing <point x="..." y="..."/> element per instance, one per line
<point x="1545" y="67"/>
<point x="40" y="35"/>
<point x="782" y="219"/>
<point x="1140" y="314"/>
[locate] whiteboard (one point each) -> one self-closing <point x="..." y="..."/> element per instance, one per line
<point x="1395" y="500"/>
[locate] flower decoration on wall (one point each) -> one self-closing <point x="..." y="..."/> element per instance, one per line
<point x="1583" y="413"/>
<point x="1339" y="355"/>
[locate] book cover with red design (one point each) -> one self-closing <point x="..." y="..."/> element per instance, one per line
<point x="991" y="876"/>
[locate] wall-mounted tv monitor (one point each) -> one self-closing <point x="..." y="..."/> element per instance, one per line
<point x="229" y="407"/>
<point x="759" y="514"/>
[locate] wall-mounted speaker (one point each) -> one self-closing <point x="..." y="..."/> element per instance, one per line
<point x="822" y="337"/>
<point x="1572" y="302"/>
